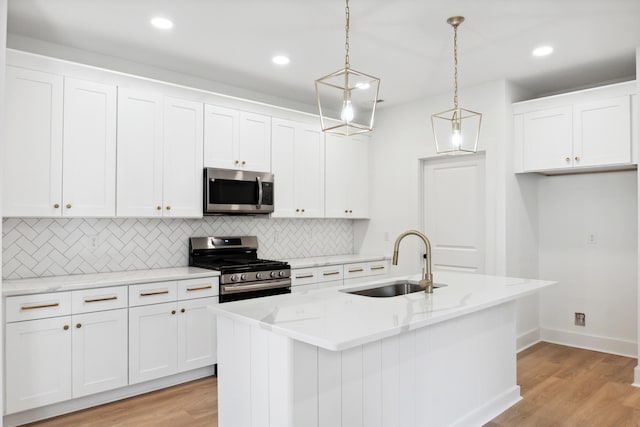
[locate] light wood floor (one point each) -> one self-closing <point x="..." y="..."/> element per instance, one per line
<point x="561" y="386"/>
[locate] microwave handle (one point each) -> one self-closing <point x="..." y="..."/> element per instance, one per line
<point x="259" y="205"/>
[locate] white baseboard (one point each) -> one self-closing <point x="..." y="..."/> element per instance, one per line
<point x="85" y="402"/>
<point x="491" y="410"/>
<point x="527" y="339"/>
<point x="590" y="342"/>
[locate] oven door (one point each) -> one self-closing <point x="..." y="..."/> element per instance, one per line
<point x="231" y="191"/>
<point x="236" y="292"/>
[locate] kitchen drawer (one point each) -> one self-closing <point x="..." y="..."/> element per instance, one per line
<point x="355" y="270"/>
<point x="304" y="276"/>
<point x="89" y="300"/>
<point x="38" y="306"/>
<point x="330" y="273"/>
<point x="198" y="288"/>
<point x="375" y="268"/>
<point x="153" y="293"/>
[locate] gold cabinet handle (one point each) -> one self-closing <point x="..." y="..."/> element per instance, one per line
<point x="68" y="206"/>
<point x="183" y="310"/>
<point x="201" y="288"/>
<point x="244" y="163"/>
<point x="148" y="294"/>
<point x="378" y="267"/>
<point x="346" y="211"/>
<point x="302" y="210"/>
<point x="173" y="312"/>
<point x="168" y="207"/>
<point x="65" y="327"/>
<point x="159" y="208"/>
<point x="577" y="158"/>
<point x="297" y="210"/>
<point x="568" y="159"/>
<point x="34" y="307"/>
<point x="305" y="276"/>
<point x="356" y="270"/>
<point x="101" y="299"/>
<point x="350" y="211"/>
<point x="56" y="206"/>
<point x="330" y="273"/>
<point x="236" y="162"/>
<point x="79" y="325"/>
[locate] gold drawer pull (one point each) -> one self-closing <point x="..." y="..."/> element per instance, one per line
<point x="148" y="294"/>
<point x="306" y="276"/>
<point x="33" y="307"/>
<point x="378" y="267"/>
<point x="331" y="273"/>
<point x="356" y="270"/>
<point x="101" y="299"/>
<point x="202" y="288"/>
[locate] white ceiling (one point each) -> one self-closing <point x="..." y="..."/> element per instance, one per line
<point x="406" y="43"/>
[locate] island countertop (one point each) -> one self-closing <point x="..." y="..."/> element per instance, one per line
<point x="335" y="320"/>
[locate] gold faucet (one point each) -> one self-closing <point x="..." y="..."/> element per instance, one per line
<point x="427" y="277"/>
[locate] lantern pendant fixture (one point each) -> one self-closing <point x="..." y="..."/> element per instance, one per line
<point x="456" y="131"/>
<point x="347" y="98"/>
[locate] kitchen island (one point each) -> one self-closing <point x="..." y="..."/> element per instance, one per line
<point x="330" y="358"/>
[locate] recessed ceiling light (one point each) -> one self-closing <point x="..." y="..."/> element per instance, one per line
<point x="281" y="60"/>
<point x="542" y="51"/>
<point x="162" y="23"/>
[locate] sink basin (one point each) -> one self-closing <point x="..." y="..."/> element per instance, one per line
<point x="393" y="289"/>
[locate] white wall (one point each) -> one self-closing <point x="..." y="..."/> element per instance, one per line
<point x="597" y="279"/>
<point x="3" y="43"/>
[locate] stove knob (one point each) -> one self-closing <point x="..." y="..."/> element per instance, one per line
<point x="233" y="277"/>
<point x="273" y="274"/>
<point x="243" y="277"/>
<point x="258" y="275"/>
<point x="281" y="274"/>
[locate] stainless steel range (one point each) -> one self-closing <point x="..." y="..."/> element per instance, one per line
<point x="242" y="274"/>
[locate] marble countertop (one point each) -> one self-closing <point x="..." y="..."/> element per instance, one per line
<point x="40" y="285"/>
<point x="335" y="320"/>
<point x="333" y="260"/>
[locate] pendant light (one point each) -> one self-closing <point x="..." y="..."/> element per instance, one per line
<point x="456" y="131"/>
<point x="347" y="98"/>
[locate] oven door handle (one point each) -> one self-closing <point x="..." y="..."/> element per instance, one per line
<point x="259" y="180"/>
<point x="232" y="289"/>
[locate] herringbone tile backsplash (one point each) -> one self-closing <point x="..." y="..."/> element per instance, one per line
<point x="34" y="247"/>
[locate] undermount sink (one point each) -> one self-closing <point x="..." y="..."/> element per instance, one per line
<point x="393" y="289"/>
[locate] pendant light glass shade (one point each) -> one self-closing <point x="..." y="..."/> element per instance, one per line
<point x="347" y="98"/>
<point x="456" y="131"/>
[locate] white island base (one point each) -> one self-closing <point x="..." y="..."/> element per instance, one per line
<point x="460" y="371"/>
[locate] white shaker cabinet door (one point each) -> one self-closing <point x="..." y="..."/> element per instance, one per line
<point x="152" y="342"/>
<point x="33" y="149"/>
<point x="283" y="146"/>
<point x="221" y="136"/>
<point x="139" y="174"/>
<point x="89" y="159"/>
<point x="309" y="171"/>
<point x="183" y="139"/>
<point x="99" y="351"/>
<point x="358" y="179"/>
<point x="197" y="344"/>
<point x="38" y="363"/>
<point x="547" y="138"/>
<point x="254" y="147"/>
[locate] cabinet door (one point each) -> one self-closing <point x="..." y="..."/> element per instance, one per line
<point x="99" y="351"/>
<point x="33" y="148"/>
<point x="197" y="342"/>
<point x="254" y="148"/>
<point x="309" y="171"/>
<point x="346" y="177"/>
<point x="89" y="158"/>
<point x="152" y="342"/>
<point x="38" y="363"/>
<point x="183" y="139"/>
<point x="221" y="136"/>
<point x="547" y="139"/>
<point x="283" y="146"/>
<point x="602" y="132"/>
<point x="139" y="174"/>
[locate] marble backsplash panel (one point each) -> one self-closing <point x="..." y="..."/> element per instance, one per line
<point x="35" y="247"/>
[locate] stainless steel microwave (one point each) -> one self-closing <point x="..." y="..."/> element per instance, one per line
<point x="228" y="191"/>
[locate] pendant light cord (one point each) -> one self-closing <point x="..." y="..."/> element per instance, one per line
<point x="346" y="30"/>
<point x="455" y="66"/>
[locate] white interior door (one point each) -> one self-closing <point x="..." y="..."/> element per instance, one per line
<point x="454" y="211"/>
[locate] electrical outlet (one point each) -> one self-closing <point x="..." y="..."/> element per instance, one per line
<point x="592" y="238"/>
<point x="93" y="241"/>
<point x="580" y="319"/>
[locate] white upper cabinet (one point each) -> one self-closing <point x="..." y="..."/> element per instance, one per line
<point x="54" y="172"/>
<point x="159" y="156"/>
<point x="297" y="162"/>
<point x="89" y="155"/>
<point x="583" y="130"/>
<point x="33" y="148"/>
<point x="236" y="139"/>
<point x="346" y="177"/>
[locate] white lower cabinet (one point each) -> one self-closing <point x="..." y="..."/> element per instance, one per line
<point x="99" y="351"/>
<point x="38" y="363"/>
<point x="197" y="343"/>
